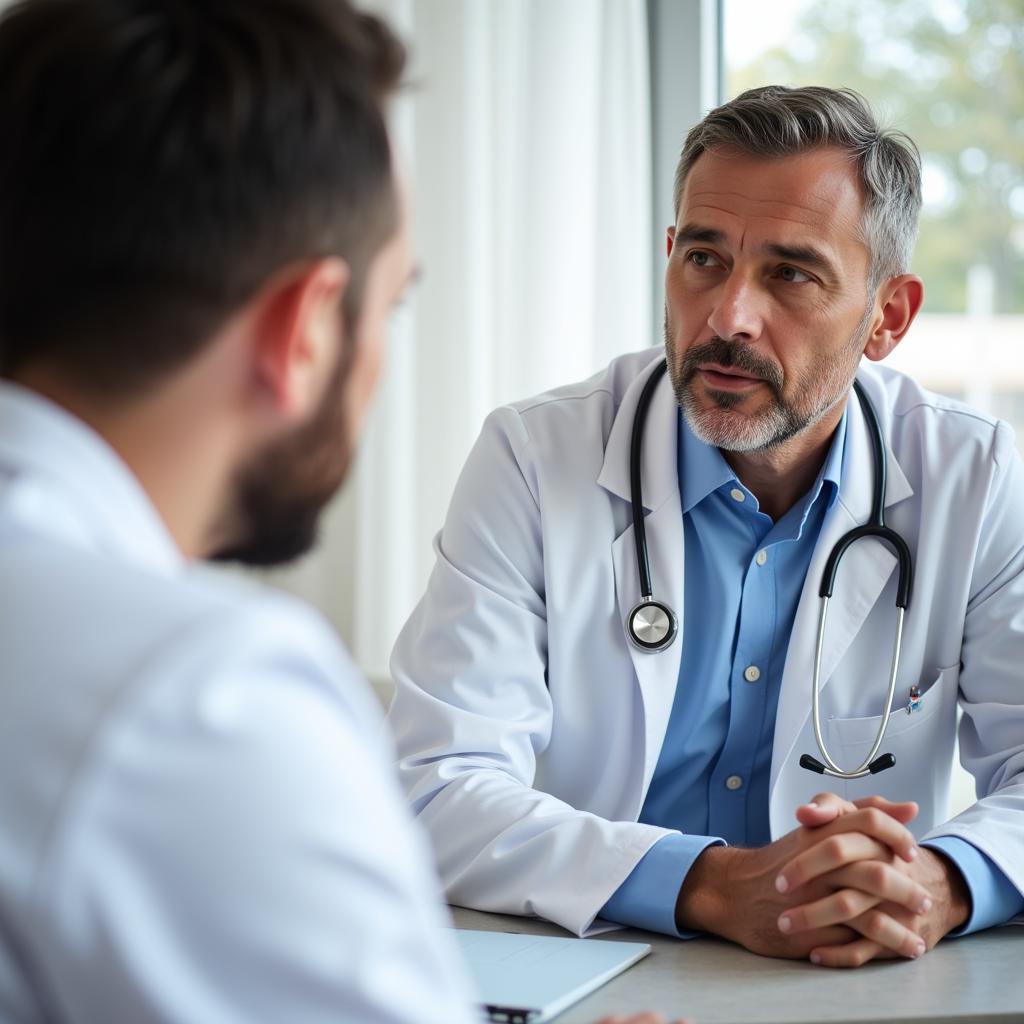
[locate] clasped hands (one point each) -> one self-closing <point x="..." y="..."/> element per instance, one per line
<point x="849" y="885"/>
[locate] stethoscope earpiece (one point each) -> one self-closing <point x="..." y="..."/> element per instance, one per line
<point x="812" y="764"/>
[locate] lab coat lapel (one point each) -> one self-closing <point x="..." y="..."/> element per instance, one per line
<point x="864" y="572"/>
<point x="657" y="674"/>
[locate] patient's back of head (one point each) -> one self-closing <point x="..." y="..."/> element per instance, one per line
<point x="162" y="158"/>
<point x="160" y="161"/>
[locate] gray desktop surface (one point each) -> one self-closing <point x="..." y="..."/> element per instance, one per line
<point x="979" y="979"/>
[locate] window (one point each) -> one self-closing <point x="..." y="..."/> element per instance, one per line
<point x="949" y="73"/>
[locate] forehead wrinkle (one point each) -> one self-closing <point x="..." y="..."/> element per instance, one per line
<point x="771" y="208"/>
<point x="809" y="201"/>
<point x="828" y="223"/>
<point x="824" y="196"/>
<point x="792" y="235"/>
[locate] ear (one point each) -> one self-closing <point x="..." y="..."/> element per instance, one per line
<point x="299" y="334"/>
<point x="670" y="239"/>
<point x="900" y="300"/>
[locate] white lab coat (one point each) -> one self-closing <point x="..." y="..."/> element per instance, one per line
<point x="198" y="820"/>
<point x="528" y="728"/>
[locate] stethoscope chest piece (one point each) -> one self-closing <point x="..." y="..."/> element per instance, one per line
<point x="652" y="626"/>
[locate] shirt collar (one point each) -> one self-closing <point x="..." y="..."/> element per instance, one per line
<point x="832" y="471"/>
<point x="59" y="478"/>
<point x="703" y="470"/>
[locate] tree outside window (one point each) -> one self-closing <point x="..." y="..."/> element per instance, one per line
<point x="951" y="74"/>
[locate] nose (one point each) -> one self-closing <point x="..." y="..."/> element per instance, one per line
<point x="736" y="314"/>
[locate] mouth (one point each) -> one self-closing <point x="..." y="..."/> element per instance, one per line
<point x="727" y="378"/>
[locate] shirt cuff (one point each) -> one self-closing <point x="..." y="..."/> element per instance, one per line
<point x="994" y="898"/>
<point x="647" y="898"/>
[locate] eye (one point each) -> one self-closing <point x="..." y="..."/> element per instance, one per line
<point x="702" y="258"/>
<point x="793" y="276"/>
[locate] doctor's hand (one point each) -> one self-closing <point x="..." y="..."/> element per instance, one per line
<point x="742" y="895"/>
<point x="868" y="896"/>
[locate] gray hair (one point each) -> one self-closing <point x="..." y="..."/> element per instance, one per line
<point x="778" y="121"/>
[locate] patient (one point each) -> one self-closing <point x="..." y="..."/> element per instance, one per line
<point x="200" y="240"/>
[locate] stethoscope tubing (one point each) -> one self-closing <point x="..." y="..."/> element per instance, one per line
<point x="864" y="768"/>
<point x="651" y="625"/>
<point x="876" y="528"/>
<point x="658" y="622"/>
<point x="635" y="482"/>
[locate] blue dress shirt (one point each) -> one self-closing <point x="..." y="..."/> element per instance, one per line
<point x="743" y="577"/>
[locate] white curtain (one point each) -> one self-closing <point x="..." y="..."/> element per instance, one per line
<point x="526" y="136"/>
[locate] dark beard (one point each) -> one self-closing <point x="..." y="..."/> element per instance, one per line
<point x="281" y="493"/>
<point x="278" y="533"/>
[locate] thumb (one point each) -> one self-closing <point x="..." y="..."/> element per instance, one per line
<point x="824" y="808"/>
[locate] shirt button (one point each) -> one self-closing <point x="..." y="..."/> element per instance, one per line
<point x="733" y="782"/>
<point x="751" y="673"/>
<point x="737" y="495"/>
<point x="762" y="557"/>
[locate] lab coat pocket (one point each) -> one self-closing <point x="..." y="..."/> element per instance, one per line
<point x="922" y="742"/>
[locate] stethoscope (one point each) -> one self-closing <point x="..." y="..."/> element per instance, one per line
<point x="652" y="626"/>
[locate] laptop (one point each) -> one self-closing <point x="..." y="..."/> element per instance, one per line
<point x="530" y="979"/>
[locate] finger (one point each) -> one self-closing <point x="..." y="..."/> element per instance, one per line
<point x="874" y="822"/>
<point x="904" y="811"/>
<point x="852" y="954"/>
<point x="885" y="930"/>
<point x="814" y="814"/>
<point x="828" y="797"/>
<point x="825" y="807"/>
<point x="832" y="853"/>
<point x="878" y="823"/>
<point x="884" y="881"/>
<point x="836" y="908"/>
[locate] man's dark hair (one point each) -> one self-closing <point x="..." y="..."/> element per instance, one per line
<point x="161" y="159"/>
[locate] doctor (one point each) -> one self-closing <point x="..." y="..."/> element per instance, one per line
<point x="565" y="771"/>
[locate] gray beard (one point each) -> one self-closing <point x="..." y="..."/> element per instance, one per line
<point x="824" y="387"/>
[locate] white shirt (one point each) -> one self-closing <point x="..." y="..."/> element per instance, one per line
<point x="199" y="822"/>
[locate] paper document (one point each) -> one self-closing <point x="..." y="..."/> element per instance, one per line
<point x="529" y="979"/>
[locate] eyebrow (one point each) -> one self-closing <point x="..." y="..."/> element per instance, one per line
<point x="691" y="232"/>
<point x="805" y="254"/>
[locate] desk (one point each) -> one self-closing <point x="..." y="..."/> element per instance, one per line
<point x="978" y="979"/>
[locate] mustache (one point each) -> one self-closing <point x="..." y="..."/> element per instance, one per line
<point x="730" y="355"/>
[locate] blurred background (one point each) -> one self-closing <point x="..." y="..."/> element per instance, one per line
<point x="540" y="137"/>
